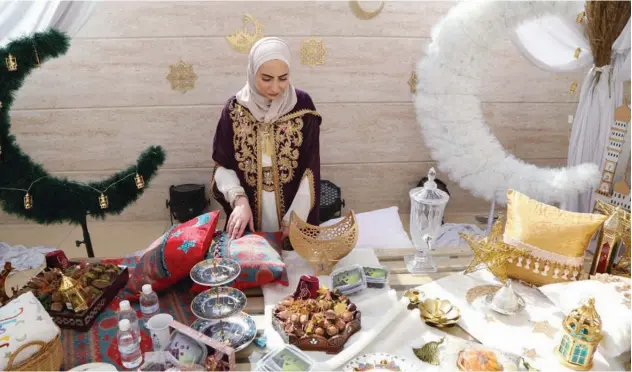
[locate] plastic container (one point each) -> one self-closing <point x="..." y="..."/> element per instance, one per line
<point x="126" y="312"/>
<point x="285" y="358"/>
<point x="348" y="280"/>
<point x="376" y="276"/>
<point x="128" y="345"/>
<point x="149" y="304"/>
<point x="186" y="349"/>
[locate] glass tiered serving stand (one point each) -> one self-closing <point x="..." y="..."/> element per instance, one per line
<point x="220" y="309"/>
<point x="427" y="204"/>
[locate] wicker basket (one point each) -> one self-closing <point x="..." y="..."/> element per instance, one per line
<point x="49" y="357"/>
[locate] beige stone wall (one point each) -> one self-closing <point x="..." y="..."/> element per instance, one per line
<point x="92" y="111"/>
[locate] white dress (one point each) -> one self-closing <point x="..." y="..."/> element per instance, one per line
<point x="228" y="184"/>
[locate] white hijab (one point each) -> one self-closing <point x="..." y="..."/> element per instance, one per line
<point x="264" y="50"/>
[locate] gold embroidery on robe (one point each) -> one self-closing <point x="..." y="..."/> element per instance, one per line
<point x="287" y="136"/>
<point x="245" y="133"/>
<point x="312" y="189"/>
<point x="268" y="179"/>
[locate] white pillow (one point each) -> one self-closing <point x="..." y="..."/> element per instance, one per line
<point x="609" y="303"/>
<point x="380" y="229"/>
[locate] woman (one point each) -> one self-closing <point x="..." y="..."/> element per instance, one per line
<point x="266" y="148"/>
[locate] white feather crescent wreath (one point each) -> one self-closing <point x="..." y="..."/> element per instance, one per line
<point x="453" y="125"/>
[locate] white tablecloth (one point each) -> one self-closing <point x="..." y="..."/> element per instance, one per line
<point x="514" y="333"/>
<point x="387" y="327"/>
<point x="374" y="304"/>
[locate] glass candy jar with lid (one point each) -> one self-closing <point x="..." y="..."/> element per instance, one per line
<point x="427" y="204"/>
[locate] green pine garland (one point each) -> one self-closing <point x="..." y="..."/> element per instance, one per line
<point x="55" y="200"/>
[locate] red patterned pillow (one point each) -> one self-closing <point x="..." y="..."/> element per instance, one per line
<point x="168" y="262"/>
<point x="258" y="254"/>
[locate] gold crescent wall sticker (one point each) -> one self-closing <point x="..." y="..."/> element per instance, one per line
<point x="312" y="52"/>
<point x="364" y="14"/>
<point x="181" y="76"/>
<point x="242" y="40"/>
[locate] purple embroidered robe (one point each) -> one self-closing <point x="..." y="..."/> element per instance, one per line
<point x="295" y="138"/>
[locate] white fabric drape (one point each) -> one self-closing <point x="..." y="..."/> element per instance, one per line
<point x="549" y="43"/>
<point x="23" y="18"/>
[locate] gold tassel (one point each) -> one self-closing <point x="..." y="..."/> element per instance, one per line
<point x="573" y="87"/>
<point x="580" y="17"/>
<point x="577" y="51"/>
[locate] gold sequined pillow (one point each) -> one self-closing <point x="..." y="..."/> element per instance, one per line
<point x="556" y="240"/>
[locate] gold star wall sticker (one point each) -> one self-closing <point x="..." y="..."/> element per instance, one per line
<point x="545" y="328"/>
<point x="312" y="52"/>
<point x="492" y="252"/>
<point x="181" y="76"/>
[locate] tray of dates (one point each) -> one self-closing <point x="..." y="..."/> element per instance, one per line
<point x="324" y="323"/>
<point x="100" y="283"/>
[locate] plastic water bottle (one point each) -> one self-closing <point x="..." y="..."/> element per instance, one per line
<point x="126" y="312"/>
<point x="128" y="345"/>
<point x="149" y="305"/>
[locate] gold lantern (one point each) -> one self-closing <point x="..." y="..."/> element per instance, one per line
<point x="614" y="237"/>
<point x="103" y="201"/>
<point x="73" y="293"/>
<point x="11" y="62"/>
<point x="140" y="182"/>
<point x="582" y="333"/>
<point x="28" y="201"/>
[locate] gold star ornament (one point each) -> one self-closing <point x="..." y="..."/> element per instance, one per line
<point x="312" y="52"/>
<point x="181" y="76"/>
<point x="492" y="252"/>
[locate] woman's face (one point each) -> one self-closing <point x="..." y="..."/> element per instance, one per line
<point x="272" y="79"/>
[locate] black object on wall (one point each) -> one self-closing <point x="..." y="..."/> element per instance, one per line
<point x="186" y="201"/>
<point x="331" y="202"/>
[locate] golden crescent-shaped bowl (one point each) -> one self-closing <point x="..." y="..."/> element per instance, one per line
<point x="323" y="246"/>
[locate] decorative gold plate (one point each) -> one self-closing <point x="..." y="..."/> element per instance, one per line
<point x="323" y="246"/>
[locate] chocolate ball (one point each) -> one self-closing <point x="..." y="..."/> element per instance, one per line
<point x="332" y="330"/>
<point x="347" y="316"/>
<point x="319" y="331"/>
<point x="341" y="324"/>
<point x="330" y="314"/>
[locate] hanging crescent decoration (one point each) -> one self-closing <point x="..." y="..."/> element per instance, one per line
<point x="242" y="40"/>
<point x="449" y="110"/>
<point x="72" y="200"/>
<point x="364" y="14"/>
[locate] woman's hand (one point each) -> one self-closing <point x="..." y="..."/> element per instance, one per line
<point x="240" y="218"/>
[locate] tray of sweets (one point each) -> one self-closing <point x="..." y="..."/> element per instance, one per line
<point x="101" y="283"/>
